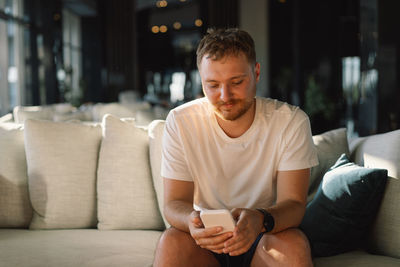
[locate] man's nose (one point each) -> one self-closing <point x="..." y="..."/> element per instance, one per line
<point x="225" y="93"/>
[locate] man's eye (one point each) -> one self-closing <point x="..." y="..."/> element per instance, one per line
<point x="237" y="82"/>
<point x="213" y="86"/>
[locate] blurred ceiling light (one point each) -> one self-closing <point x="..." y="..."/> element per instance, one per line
<point x="162" y="3"/>
<point x="163" y="28"/>
<point x="155" y="29"/>
<point x="57" y="17"/>
<point x="177" y="25"/>
<point x="198" y="22"/>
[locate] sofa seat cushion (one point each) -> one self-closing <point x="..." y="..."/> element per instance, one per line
<point x="355" y="259"/>
<point x="80" y="247"/>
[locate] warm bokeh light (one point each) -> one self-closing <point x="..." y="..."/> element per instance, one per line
<point x="163" y="28"/>
<point x="177" y="25"/>
<point x="155" y="29"/>
<point x="161" y="3"/>
<point x="198" y="22"/>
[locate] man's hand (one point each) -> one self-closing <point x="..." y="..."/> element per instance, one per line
<point x="207" y="238"/>
<point x="249" y="226"/>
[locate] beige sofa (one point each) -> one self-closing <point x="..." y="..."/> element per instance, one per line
<point x="87" y="194"/>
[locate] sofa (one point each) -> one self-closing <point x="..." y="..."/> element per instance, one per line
<point x="90" y="194"/>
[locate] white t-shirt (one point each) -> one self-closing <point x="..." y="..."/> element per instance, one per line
<point x="235" y="172"/>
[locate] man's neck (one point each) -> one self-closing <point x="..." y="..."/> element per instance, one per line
<point x="238" y="127"/>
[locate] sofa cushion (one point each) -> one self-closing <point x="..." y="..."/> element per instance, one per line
<point x="125" y="191"/>
<point x="382" y="151"/>
<point x="356" y="259"/>
<point x="156" y="130"/>
<point x="22" y="113"/>
<point x="329" y="145"/>
<point x="338" y="218"/>
<point x="15" y="207"/>
<point x="79" y="247"/>
<point x="62" y="163"/>
<point x="99" y="110"/>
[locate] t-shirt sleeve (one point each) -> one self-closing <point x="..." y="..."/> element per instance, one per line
<point x="299" y="151"/>
<point x="173" y="163"/>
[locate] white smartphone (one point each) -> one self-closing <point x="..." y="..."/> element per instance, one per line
<point x="223" y="218"/>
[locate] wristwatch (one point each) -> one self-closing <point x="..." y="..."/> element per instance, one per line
<point x="269" y="221"/>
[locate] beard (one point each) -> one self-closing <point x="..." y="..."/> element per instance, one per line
<point x="233" y="109"/>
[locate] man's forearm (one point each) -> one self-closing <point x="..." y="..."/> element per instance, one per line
<point x="177" y="213"/>
<point x="287" y="214"/>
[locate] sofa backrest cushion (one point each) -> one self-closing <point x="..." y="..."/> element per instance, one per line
<point x="329" y="145"/>
<point x="125" y="191"/>
<point x="15" y="207"/>
<point x="383" y="151"/>
<point x="99" y="110"/>
<point x="22" y="113"/>
<point x="62" y="163"/>
<point x="156" y="130"/>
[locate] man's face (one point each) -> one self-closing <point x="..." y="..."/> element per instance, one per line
<point x="229" y="84"/>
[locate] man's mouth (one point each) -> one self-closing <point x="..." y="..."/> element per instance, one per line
<point x="227" y="105"/>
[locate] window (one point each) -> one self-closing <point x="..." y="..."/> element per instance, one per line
<point x="14" y="37"/>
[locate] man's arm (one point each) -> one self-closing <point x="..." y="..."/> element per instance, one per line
<point x="178" y="202"/>
<point x="178" y="209"/>
<point x="292" y="187"/>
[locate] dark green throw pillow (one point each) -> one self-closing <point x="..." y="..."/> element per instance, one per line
<point x="338" y="218"/>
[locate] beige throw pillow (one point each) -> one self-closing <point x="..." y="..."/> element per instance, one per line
<point x="62" y="163"/>
<point x="156" y="130"/>
<point x="126" y="197"/>
<point x="330" y="145"/>
<point x="15" y="206"/>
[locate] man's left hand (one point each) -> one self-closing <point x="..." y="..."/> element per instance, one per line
<point x="249" y="226"/>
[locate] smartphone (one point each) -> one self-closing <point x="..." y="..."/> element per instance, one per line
<point x="223" y="218"/>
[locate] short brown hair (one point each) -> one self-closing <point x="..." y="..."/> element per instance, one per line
<point x="218" y="43"/>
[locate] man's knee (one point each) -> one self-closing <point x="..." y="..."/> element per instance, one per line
<point x="174" y="239"/>
<point x="289" y="247"/>
<point x="178" y="248"/>
<point x="297" y="239"/>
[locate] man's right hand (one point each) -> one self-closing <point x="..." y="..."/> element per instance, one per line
<point x="207" y="238"/>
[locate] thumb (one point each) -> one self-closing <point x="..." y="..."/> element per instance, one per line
<point x="196" y="219"/>
<point x="236" y="213"/>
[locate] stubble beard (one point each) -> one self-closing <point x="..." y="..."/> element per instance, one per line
<point x="239" y="108"/>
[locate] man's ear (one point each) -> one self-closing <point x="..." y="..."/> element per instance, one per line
<point x="257" y="71"/>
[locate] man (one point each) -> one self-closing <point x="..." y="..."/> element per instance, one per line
<point x="232" y="150"/>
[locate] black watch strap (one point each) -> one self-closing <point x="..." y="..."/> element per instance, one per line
<point x="269" y="221"/>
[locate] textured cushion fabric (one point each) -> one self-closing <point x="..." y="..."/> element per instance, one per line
<point x="79" y="247"/>
<point x="156" y="129"/>
<point x="356" y="259"/>
<point x="338" y="218"/>
<point x="32" y="112"/>
<point x="330" y="145"/>
<point x="15" y="207"/>
<point x="7" y="118"/>
<point x="383" y="151"/>
<point x="62" y="163"/>
<point x="101" y="109"/>
<point x="125" y="192"/>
